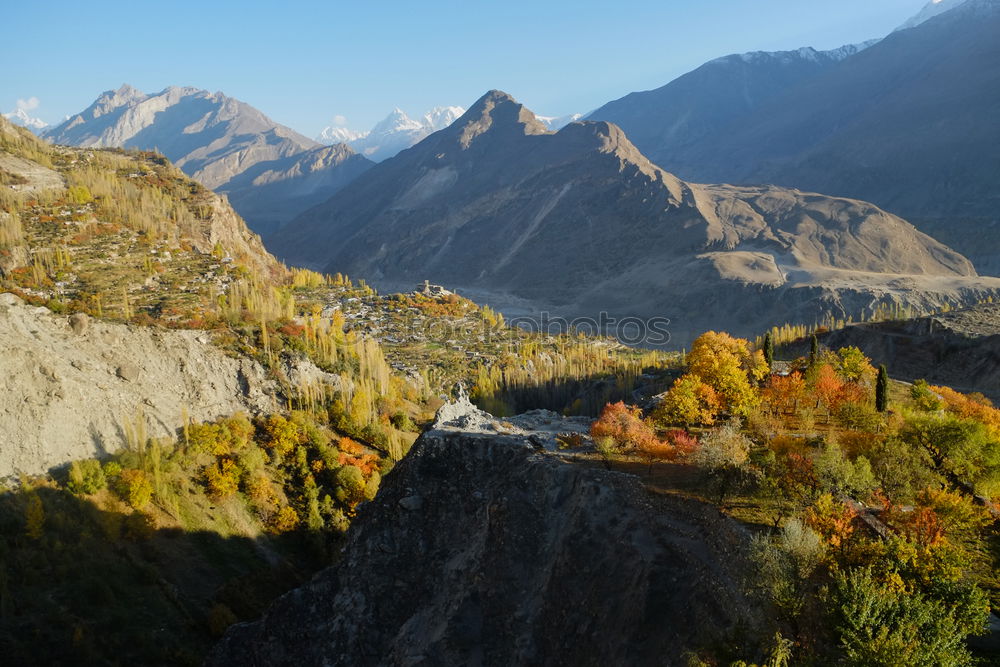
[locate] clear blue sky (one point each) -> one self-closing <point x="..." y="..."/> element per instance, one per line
<point x="302" y="63"/>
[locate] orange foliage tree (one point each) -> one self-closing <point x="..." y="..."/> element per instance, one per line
<point x="623" y="425"/>
<point x="783" y="393"/>
<point x="833" y="520"/>
<point x="828" y="387"/>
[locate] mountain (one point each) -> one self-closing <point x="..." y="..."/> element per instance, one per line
<point x="908" y="123"/>
<point x="274" y="191"/>
<point x="142" y="239"/>
<point x="394" y="133"/>
<point x="475" y="552"/>
<point x="21" y="117"/>
<point x="335" y="134"/>
<point x="670" y="123"/>
<point x="558" y="122"/>
<point x="580" y="222"/>
<point x="930" y="10"/>
<point x="221" y="142"/>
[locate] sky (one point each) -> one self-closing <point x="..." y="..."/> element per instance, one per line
<point x="306" y="63"/>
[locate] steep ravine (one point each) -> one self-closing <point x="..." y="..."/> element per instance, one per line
<point x="72" y="384"/>
<point x="487" y="547"/>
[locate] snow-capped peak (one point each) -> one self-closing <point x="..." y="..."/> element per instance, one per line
<point x="556" y="123"/>
<point x="930" y="10"/>
<point x="397" y="121"/>
<point x="339" y="135"/>
<point x="439" y="118"/>
<point x="21" y="117"/>
<point x="806" y="53"/>
<point x="394" y="133"/>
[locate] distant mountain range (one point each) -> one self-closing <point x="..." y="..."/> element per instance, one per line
<point x="269" y="172"/>
<point x="394" y="133"/>
<point x="581" y="222"/>
<point x="22" y="118"/>
<point x="398" y="131"/>
<point x="909" y="123"/>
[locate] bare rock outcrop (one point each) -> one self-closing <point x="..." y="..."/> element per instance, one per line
<point x="483" y="548"/>
<point x="71" y="385"/>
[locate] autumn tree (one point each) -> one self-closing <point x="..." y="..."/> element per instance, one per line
<point x="725" y="455"/>
<point x="134" y="488"/>
<point x="689" y="401"/>
<point x="828" y="387"/>
<point x="783" y="393"/>
<point x="350" y="485"/>
<point x="730" y="367"/>
<point x="623" y="426"/>
<point x="281" y="435"/>
<point x="833" y="520"/>
<point x="854" y="366"/>
<point x="655" y="449"/>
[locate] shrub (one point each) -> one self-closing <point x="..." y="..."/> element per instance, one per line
<point x="86" y="477"/>
<point x="134" y="488"/>
<point x="222" y="478"/>
<point x="287" y="519"/>
<point x="858" y="416"/>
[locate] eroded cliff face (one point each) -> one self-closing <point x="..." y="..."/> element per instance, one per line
<point x="486" y="546"/>
<point x="73" y="385"/>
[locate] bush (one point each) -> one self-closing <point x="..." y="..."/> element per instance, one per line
<point x="402" y="421"/>
<point x="881" y="624"/>
<point x="859" y="416"/>
<point x="350" y="485"/>
<point x="134" y="488"/>
<point x="86" y="477"/>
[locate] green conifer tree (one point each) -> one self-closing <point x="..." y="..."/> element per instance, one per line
<point x="882" y="389"/>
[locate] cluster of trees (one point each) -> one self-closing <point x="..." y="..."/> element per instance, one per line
<point x="192" y="534"/>
<point x="573" y="376"/>
<point x="882" y="550"/>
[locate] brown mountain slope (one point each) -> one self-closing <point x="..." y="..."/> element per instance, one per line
<point x="581" y="222"/>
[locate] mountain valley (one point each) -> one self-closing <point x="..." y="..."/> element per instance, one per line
<point x="585" y="202"/>
<point x="704" y="377"/>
